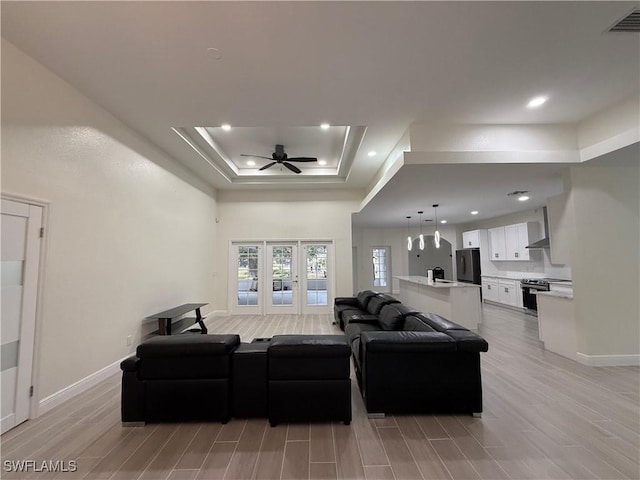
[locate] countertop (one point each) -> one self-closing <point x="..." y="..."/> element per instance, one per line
<point x="438" y="284"/>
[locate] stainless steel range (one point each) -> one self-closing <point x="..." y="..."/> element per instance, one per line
<point x="532" y="285"/>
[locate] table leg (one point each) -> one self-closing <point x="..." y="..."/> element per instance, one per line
<point x="168" y="326"/>
<point x="203" y="329"/>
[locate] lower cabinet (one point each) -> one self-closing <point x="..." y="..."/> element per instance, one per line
<point x="490" y="290"/>
<point x="507" y="292"/>
<point x="502" y="290"/>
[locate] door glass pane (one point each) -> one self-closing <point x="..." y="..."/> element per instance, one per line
<point x="380" y="267"/>
<point x="248" y="275"/>
<point x="316" y="260"/>
<point x="281" y="275"/>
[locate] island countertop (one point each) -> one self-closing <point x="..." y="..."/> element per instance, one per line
<point x="419" y="280"/>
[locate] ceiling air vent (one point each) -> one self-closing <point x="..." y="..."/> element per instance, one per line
<point x="630" y="23"/>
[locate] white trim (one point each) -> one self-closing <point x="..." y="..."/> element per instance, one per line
<point x="609" y="145"/>
<point x="79" y="387"/>
<point x="8" y="422"/>
<point x="609" y="360"/>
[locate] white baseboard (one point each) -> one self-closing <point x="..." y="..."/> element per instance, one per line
<point x="609" y="360"/>
<point x="7" y="422"/>
<point x="78" y="387"/>
<point x="218" y="313"/>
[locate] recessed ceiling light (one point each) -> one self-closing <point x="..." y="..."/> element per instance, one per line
<point x="523" y="198"/>
<point x="475" y="212"/>
<point x="536" y="102"/>
<point x="372" y="153"/>
<point x="251" y="163"/>
<point x="325" y="126"/>
<point x="443" y="221"/>
<point x="322" y="162"/>
<point x="226" y="127"/>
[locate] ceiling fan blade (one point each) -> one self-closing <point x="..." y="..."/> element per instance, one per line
<point x="293" y="168"/>
<point x="255" y="156"/>
<point x="302" y="159"/>
<point x="267" y="166"/>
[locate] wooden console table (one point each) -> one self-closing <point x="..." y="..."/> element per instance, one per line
<point x="165" y="318"/>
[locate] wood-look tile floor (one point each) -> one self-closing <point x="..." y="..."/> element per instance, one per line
<point x="545" y="417"/>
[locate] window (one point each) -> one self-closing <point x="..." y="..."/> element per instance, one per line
<point x="380" y="258"/>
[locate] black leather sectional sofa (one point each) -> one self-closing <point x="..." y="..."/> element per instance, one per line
<point x="215" y="377"/>
<point x="408" y="361"/>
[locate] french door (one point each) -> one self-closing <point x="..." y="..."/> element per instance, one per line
<point x="281" y="277"/>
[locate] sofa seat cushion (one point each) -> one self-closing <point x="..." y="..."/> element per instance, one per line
<point x="468" y="341"/>
<point x="438" y="323"/>
<point x="413" y="323"/>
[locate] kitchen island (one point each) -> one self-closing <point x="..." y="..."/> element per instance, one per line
<point x="455" y="301"/>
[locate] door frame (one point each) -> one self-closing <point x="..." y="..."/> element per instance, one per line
<point x="263" y="244"/>
<point x="34" y="403"/>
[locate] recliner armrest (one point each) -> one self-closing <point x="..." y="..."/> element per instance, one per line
<point x="407" y="342"/>
<point x="468" y="341"/>
<point x="130" y="364"/>
<point x="346" y="301"/>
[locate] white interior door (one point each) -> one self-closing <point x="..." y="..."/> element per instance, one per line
<point x="21" y="225"/>
<point x="281" y="271"/>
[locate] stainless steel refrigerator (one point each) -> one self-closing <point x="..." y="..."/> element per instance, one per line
<point x="468" y="265"/>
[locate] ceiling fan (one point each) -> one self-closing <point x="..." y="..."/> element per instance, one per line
<point x="280" y="157"/>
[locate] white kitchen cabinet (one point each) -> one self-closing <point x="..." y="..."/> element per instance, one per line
<point x="508" y="292"/>
<point x="497" y="244"/>
<point x="490" y="289"/>
<point x="471" y="239"/>
<point x="509" y="242"/>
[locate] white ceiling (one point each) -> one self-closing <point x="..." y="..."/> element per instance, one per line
<point x="379" y="65"/>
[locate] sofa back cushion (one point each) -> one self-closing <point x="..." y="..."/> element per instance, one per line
<point x="391" y="317"/>
<point x="376" y="303"/>
<point x="413" y="323"/>
<point x="364" y="297"/>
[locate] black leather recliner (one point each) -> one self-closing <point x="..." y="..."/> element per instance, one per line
<point x="309" y="378"/>
<point x="178" y="378"/>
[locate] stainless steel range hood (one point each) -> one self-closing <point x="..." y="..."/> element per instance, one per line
<point x="544" y="242"/>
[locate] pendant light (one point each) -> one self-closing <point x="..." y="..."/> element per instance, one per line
<point x="436" y="237"/>
<point x="421" y="235"/>
<point x="409" y="241"/>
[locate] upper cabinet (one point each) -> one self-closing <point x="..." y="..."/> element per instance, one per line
<point x="497" y="244"/>
<point x="471" y="239"/>
<point x="509" y="242"/>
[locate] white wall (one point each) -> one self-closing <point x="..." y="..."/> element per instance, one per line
<point x="605" y="253"/>
<point x="286" y="215"/>
<point x="126" y="238"/>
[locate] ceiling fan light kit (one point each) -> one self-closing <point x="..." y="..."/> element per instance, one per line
<point x="280" y="157"/>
